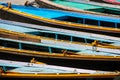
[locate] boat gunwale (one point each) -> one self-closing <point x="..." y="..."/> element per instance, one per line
<point x="60" y="56"/>
<point x="57" y="75"/>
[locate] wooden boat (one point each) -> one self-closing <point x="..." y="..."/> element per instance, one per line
<point x="62" y="19"/>
<point x="54" y="49"/>
<point x="13" y="35"/>
<point x="117" y="2"/>
<point x="48" y="33"/>
<point x="16" y="43"/>
<point x="97" y="7"/>
<point x="17" y="69"/>
<point x="57" y="54"/>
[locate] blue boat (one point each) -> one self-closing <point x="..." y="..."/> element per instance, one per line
<point x="50" y="49"/>
<point x="62" y="19"/>
<point x="46" y="34"/>
<point x="58" y="34"/>
<point x="39" y="70"/>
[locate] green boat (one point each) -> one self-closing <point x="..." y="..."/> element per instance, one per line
<point x="85" y="6"/>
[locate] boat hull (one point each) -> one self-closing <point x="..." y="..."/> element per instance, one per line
<point x="22" y="69"/>
<point x="52" y="5"/>
<point x="10" y="14"/>
<point x="78" y="63"/>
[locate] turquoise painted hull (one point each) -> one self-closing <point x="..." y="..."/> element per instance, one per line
<point x="82" y="6"/>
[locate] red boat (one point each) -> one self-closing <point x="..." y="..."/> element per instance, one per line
<point x="113" y="1"/>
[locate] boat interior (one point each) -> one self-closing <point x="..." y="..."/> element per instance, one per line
<point x="56" y="48"/>
<point x="10" y="66"/>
